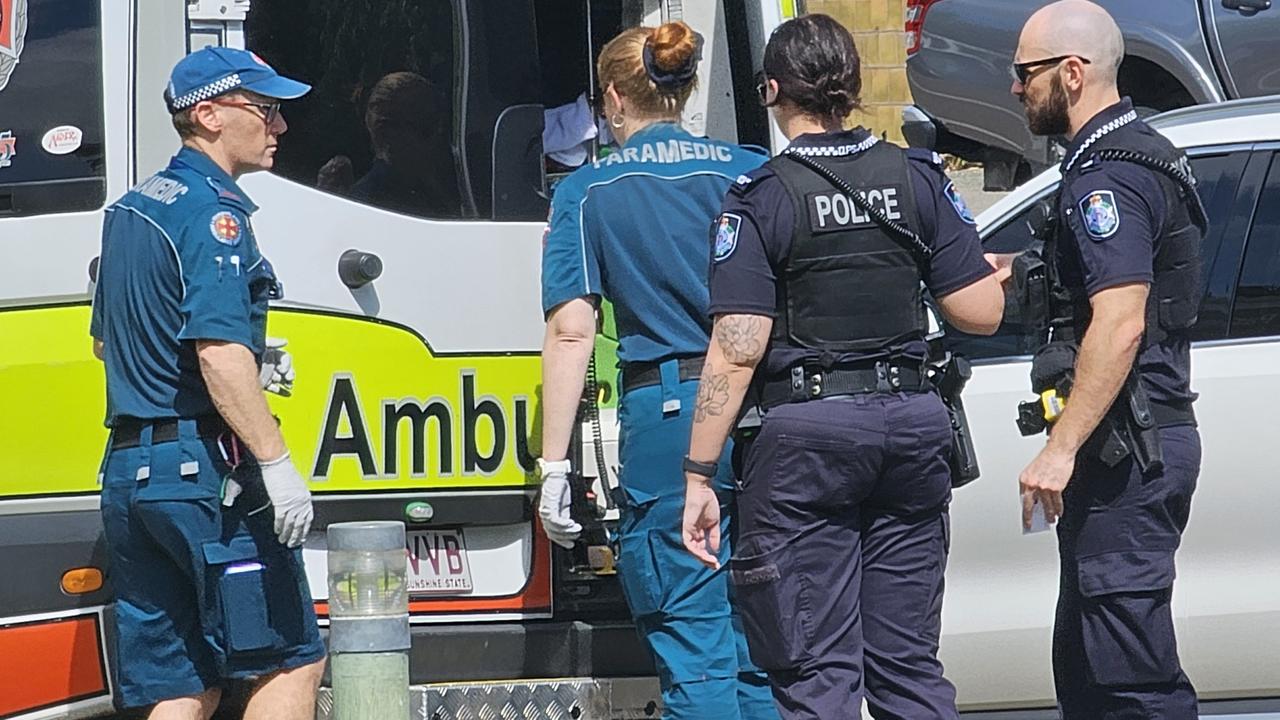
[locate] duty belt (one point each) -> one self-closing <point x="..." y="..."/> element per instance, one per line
<point x="645" y="374"/>
<point x="1168" y="415"/>
<point x="127" y="431"/>
<point x="808" y="382"/>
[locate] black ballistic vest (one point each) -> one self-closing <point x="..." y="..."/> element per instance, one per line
<point x="1174" y="300"/>
<point x="848" y="286"/>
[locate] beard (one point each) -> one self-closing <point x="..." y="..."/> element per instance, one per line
<point x="1049" y="117"/>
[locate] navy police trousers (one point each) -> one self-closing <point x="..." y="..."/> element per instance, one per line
<point x="842" y="547"/>
<point x="1114" y="652"/>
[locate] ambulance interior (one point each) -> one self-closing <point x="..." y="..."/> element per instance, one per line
<point x="437" y="108"/>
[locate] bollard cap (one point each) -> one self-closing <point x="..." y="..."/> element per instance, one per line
<point x="376" y="536"/>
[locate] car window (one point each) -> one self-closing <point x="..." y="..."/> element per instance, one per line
<point x="1256" y="312"/>
<point x="1217" y="180"/>
<point x="1011" y="339"/>
<point x="51" y="124"/>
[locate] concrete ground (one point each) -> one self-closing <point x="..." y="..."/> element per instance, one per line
<point x="969" y="183"/>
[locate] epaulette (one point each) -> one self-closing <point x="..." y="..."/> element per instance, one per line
<point x="746" y="183"/>
<point x="923" y="155"/>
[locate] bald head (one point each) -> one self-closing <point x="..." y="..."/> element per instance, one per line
<point x="1074" y="27"/>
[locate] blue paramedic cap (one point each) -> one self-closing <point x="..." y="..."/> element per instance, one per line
<point x="213" y="71"/>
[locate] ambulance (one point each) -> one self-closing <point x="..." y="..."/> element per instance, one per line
<point x="413" y="318"/>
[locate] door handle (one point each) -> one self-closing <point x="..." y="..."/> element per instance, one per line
<point x="93" y="268"/>
<point x="357" y="268"/>
<point x="1247" y="7"/>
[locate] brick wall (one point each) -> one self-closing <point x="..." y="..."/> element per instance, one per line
<point x="877" y="27"/>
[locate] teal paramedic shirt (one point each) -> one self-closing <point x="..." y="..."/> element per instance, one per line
<point x="179" y="263"/>
<point x="635" y="228"/>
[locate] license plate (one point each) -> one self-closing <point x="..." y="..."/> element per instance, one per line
<point x="438" y="562"/>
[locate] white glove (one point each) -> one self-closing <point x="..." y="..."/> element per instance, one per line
<point x="553" y="505"/>
<point x="277" y="373"/>
<point x="290" y="498"/>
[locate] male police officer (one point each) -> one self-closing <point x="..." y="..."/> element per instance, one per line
<point x="1127" y="263"/>
<point x="209" y="586"/>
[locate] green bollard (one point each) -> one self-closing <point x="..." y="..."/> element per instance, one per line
<point x="368" y="621"/>
<point x="370" y="685"/>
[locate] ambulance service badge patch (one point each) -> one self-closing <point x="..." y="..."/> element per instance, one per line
<point x="13" y="31"/>
<point x="1100" y="213"/>
<point x="726" y="235"/>
<point x="225" y="228"/>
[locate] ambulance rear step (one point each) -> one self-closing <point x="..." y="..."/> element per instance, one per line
<point x="561" y="699"/>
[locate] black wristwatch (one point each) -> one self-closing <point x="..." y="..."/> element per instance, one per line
<point x="707" y="470"/>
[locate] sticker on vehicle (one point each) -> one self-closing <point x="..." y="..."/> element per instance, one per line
<point x="13" y="30"/>
<point x="62" y="140"/>
<point x="8" y="148"/>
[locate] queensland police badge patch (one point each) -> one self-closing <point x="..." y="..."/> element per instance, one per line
<point x="957" y="202"/>
<point x="726" y="235"/>
<point x="225" y="228"/>
<point x="1101" y="214"/>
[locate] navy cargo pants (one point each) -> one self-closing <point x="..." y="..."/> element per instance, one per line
<point x="840" y="559"/>
<point x="1114" y="652"/>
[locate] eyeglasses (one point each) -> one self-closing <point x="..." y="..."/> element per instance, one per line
<point x="270" y="111"/>
<point x="762" y="90"/>
<point x="1022" y="72"/>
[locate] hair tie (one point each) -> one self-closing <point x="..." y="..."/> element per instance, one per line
<point x="675" y="79"/>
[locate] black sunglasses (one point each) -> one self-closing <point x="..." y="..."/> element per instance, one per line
<point x="270" y="111"/>
<point x="1022" y="72"/>
<point x="762" y="90"/>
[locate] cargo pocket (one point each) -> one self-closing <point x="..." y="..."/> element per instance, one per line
<point x="773" y="597"/>
<point x="637" y="569"/>
<point x="239" y="601"/>
<point x="1126" y="617"/>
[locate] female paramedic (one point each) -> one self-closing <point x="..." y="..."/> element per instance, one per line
<point x="633" y="228"/>
<point x="817" y="290"/>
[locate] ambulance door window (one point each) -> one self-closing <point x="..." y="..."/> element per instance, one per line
<point x="51" y="122"/>
<point x="380" y="124"/>
<point x="501" y="111"/>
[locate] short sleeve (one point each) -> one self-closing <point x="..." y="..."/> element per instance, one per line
<point x="1114" y="225"/>
<point x="948" y="226"/>
<point x="216" y="250"/>
<point x="746" y="246"/>
<point x="570" y="267"/>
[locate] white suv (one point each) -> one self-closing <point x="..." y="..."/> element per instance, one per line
<point x="1002" y="586"/>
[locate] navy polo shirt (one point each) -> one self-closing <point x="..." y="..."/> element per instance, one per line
<point x="179" y="263"/>
<point x="1122" y="212"/>
<point x="745" y="280"/>
<point x="632" y="228"/>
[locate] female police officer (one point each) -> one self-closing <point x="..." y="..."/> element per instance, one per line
<point x="633" y="228"/>
<point x="843" y="525"/>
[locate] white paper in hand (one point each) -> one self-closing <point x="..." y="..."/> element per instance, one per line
<point x="1039" y="523"/>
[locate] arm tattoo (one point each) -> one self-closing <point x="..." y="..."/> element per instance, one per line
<point x="713" y="395"/>
<point x="738" y="339"/>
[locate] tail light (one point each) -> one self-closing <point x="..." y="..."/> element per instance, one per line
<point x="916" y="10"/>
